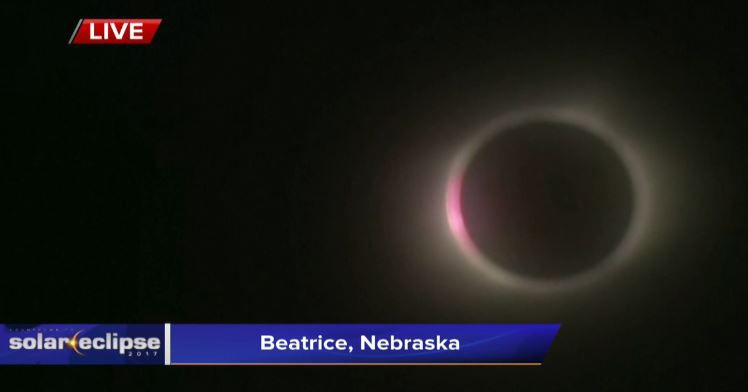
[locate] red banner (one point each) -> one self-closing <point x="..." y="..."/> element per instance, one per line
<point x="114" y="31"/>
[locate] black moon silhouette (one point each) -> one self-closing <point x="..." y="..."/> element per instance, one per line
<point x="546" y="200"/>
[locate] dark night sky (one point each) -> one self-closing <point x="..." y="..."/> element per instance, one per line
<point x="249" y="167"/>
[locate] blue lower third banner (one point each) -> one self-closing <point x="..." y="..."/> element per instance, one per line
<point x="276" y="344"/>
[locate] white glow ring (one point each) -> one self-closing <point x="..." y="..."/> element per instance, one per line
<point x="621" y="252"/>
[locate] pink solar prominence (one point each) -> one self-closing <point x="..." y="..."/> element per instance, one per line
<point x="454" y="215"/>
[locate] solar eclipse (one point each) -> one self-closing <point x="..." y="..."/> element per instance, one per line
<point x="548" y="198"/>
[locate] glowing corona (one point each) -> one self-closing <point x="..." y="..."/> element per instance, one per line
<point x="631" y="161"/>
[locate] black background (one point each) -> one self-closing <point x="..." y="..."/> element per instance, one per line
<point x="234" y="171"/>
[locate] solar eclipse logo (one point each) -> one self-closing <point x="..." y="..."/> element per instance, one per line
<point x="95" y="344"/>
<point x="80" y="344"/>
